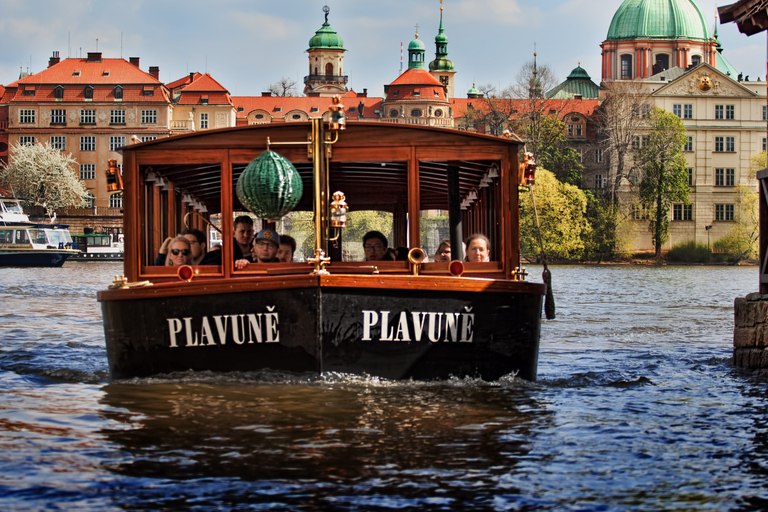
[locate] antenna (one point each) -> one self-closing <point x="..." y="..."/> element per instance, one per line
<point x="97" y="44"/>
<point x="121" y="44"/>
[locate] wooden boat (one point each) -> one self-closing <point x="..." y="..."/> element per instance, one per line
<point x="393" y="319"/>
<point x="31" y="244"/>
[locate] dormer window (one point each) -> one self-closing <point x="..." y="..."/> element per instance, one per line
<point x="118" y="92"/>
<point x="76" y="72"/>
<point x="105" y="72"/>
<point x="204" y="99"/>
<point x="29" y="90"/>
<point x="417" y="93"/>
<point x="395" y="94"/>
<point x="58" y="92"/>
<point x="278" y="109"/>
<point x="148" y="90"/>
<point x="437" y="95"/>
<point x="88" y="92"/>
<point x="314" y="109"/>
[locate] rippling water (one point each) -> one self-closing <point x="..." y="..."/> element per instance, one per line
<point x="637" y="407"/>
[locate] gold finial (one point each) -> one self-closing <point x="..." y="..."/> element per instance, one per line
<point x="417" y="30"/>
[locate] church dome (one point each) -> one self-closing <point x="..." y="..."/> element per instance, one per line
<point x="326" y="38"/>
<point x="658" y="19"/>
<point x="416" y="44"/>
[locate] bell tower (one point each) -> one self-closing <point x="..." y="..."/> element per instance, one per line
<point x="326" y="62"/>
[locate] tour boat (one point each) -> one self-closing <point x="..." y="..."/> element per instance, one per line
<point x="31" y="244"/>
<point x="391" y="319"/>
<point x="97" y="247"/>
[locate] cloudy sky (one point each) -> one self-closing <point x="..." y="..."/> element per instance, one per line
<point x="248" y="44"/>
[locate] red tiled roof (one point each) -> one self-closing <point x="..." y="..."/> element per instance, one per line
<point x="561" y="106"/>
<point x="96" y="72"/>
<point x="415" y="76"/>
<point x="312" y="106"/>
<point x="183" y="80"/>
<point x="205" y="83"/>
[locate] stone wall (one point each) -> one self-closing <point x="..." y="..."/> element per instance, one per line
<point x="750" y="332"/>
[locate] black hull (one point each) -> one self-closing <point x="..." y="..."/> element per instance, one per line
<point x="328" y="329"/>
<point x="42" y="258"/>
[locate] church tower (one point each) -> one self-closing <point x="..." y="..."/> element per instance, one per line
<point x="326" y="63"/>
<point x="442" y="68"/>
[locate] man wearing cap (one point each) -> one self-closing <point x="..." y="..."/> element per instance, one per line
<point x="263" y="250"/>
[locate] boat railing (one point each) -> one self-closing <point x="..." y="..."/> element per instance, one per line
<point x="762" y="179"/>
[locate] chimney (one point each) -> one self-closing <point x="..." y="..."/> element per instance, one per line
<point x="155" y="72"/>
<point x="364" y="94"/>
<point x="267" y="94"/>
<point x="191" y="77"/>
<point x="94" y="57"/>
<point x="54" y="59"/>
<point x="134" y="61"/>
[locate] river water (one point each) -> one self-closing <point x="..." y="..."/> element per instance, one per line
<point x="637" y="407"/>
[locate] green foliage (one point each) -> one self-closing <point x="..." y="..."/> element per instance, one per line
<point x="758" y="162"/>
<point x="664" y="175"/>
<point x="741" y="242"/>
<point x="43" y="176"/>
<point x="555" y="152"/>
<point x="561" y="209"/>
<point x="689" y="252"/>
<point x="602" y="242"/>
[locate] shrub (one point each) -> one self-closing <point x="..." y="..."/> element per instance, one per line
<point x="689" y="252"/>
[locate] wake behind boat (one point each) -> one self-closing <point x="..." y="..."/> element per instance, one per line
<point x="394" y="319"/>
<point x="30" y="244"/>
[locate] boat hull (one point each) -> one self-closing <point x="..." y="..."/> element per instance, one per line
<point x="396" y="333"/>
<point x="34" y="258"/>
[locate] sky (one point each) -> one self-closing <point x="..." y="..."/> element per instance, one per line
<point x="246" y="45"/>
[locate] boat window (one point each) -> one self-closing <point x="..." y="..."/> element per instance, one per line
<point x="359" y="223"/>
<point x="38" y="236"/>
<point x="434" y="229"/>
<point x="57" y="236"/>
<point x="21" y="237"/>
<point x="12" y="206"/>
<point x="6" y="236"/>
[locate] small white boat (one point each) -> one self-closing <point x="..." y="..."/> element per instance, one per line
<point x="30" y="244"/>
<point x="97" y="247"/>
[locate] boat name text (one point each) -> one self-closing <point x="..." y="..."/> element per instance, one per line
<point x="411" y="326"/>
<point x="245" y="328"/>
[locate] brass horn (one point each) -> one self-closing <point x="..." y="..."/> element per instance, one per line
<point x="416" y="256"/>
<point x="186" y="220"/>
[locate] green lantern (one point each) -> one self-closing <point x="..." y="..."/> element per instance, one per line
<point x="270" y="186"/>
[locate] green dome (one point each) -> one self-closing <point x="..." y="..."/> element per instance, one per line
<point x="658" y="19"/>
<point x="579" y="72"/>
<point x="473" y="92"/>
<point x="416" y="44"/>
<point x="326" y="38"/>
<point x="270" y="186"/>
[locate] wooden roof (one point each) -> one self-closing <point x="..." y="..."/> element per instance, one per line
<point x="751" y="16"/>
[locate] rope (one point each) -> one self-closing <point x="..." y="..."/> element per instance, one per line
<point x="546" y="276"/>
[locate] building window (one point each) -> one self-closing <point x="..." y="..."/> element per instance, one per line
<point x="115" y="142"/>
<point x="599" y="181"/>
<point x="682" y="212"/>
<point x="730" y="144"/>
<point x="765" y="114"/>
<point x="59" y="142"/>
<point x="58" y="116"/>
<point x="203" y="120"/>
<point x="677" y="109"/>
<point x="58" y="92"/>
<point x="26" y="140"/>
<point x="598" y="155"/>
<point x="149" y="116"/>
<point x="87" y="171"/>
<point x="696" y="60"/>
<point x="88" y="92"/>
<point x="90" y="201"/>
<point x="88" y="143"/>
<point x="635" y="142"/>
<point x="724" y="212"/>
<point x="639" y="212"/>
<point x="438" y="113"/>
<point x="26" y="116"/>
<point x="719" y="111"/>
<point x="690" y="176"/>
<point x="116" y="201"/>
<point x="725" y="177"/>
<point x="117" y="116"/>
<point x="87" y="116"/>
<point x="145" y="138"/>
<point x="688" y="111"/>
<point x="574" y="130"/>
<point x="118" y="92"/>
<point x="416" y="112"/>
<point x="626" y="67"/>
<point x="730" y="112"/>
<point x="688" y="144"/>
<point x="765" y="143"/>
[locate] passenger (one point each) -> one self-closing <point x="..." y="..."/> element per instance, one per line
<point x="179" y="252"/>
<point x="478" y="248"/>
<point x="286" y="249"/>
<point x="264" y="249"/>
<point x="375" y="247"/>
<point x="443" y="253"/>
<point x="243" y="237"/>
<point x="200" y="256"/>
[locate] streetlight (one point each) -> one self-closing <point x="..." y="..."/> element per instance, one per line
<point x="708" y="249"/>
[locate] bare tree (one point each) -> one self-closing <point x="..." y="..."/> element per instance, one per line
<point x="622" y="120"/>
<point x="283" y="87"/>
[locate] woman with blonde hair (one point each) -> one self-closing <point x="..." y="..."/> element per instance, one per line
<point x="179" y="252"/>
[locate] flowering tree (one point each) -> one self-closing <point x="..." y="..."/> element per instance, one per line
<point x="43" y="176"/>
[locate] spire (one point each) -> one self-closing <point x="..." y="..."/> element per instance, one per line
<point x="416" y="51"/>
<point x="441" y="62"/>
<point x="534" y="89"/>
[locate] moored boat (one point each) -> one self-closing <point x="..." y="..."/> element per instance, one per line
<point x="96" y="247"/>
<point x="31" y="244"/>
<point x="394" y="319"/>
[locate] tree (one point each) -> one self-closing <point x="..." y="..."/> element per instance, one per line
<point x="561" y="209"/>
<point x="43" y="176"/>
<point x="556" y="154"/>
<point x="602" y="242"/>
<point x="664" y="175"/>
<point x="494" y="112"/>
<point x="621" y="117"/>
<point x="283" y="87"/>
